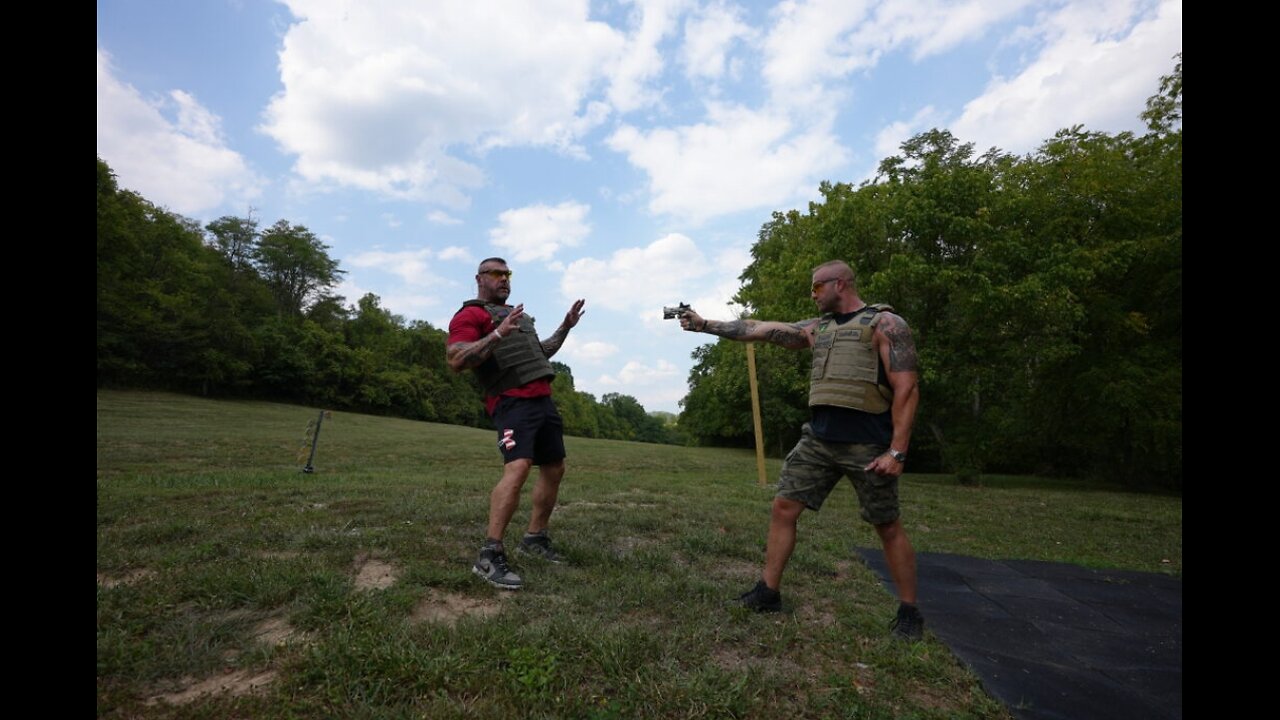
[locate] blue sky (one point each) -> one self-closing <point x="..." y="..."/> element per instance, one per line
<point x="622" y="151"/>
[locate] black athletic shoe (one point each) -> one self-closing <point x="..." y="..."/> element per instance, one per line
<point x="539" y="546"/>
<point x="761" y="599"/>
<point x="492" y="566"/>
<point x="909" y="625"/>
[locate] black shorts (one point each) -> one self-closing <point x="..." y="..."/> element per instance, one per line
<point x="529" y="428"/>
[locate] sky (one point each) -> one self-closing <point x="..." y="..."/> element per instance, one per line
<point x="622" y="151"/>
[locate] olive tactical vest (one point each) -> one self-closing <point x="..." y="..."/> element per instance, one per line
<point x="517" y="360"/>
<point x="846" y="366"/>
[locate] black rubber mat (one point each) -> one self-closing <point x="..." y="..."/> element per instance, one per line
<point x="1055" y="641"/>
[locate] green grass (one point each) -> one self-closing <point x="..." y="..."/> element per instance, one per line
<point x="208" y="533"/>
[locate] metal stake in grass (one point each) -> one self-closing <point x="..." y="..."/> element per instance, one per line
<point x="310" y="439"/>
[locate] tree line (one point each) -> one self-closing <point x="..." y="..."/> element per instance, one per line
<point x="237" y="310"/>
<point x="1044" y="292"/>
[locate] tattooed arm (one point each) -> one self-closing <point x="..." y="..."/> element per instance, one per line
<point x="551" y="345"/>
<point x="796" y="336"/>
<point x="897" y="350"/>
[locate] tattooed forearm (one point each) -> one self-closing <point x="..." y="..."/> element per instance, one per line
<point x="551" y="345"/>
<point x="902" y="349"/>
<point x="732" y="329"/>
<point x="466" y="355"/>
<point x="791" y="336"/>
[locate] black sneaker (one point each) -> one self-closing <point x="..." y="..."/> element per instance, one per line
<point x="909" y="625"/>
<point x="761" y="599"/>
<point x="492" y="566"/>
<point x="539" y="546"/>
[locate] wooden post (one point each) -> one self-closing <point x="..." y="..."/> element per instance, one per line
<point x="755" y="411"/>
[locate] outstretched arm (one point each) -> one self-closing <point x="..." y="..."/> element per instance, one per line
<point x="796" y="336"/>
<point x="898" y="355"/>
<point x="551" y="345"/>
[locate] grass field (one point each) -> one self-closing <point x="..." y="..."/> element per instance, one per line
<point x="229" y="584"/>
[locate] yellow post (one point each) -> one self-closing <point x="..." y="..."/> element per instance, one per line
<point x="755" y="410"/>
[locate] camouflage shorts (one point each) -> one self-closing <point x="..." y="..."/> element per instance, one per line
<point x="813" y="468"/>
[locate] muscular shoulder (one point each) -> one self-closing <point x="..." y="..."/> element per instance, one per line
<point x="893" y="337"/>
<point x="468" y="324"/>
<point x="887" y="320"/>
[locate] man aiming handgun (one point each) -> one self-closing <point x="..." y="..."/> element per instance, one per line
<point x="863" y="394"/>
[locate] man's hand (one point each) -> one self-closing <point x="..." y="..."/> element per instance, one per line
<point x="886" y="466"/>
<point x="511" y="322"/>
<point x="551" y="345"/>
<point x="575" y="314"/>
<point x="692" y="321"/>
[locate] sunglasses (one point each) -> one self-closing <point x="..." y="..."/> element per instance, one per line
<point x="817" y="284"/>
<point x="497" y="274"/>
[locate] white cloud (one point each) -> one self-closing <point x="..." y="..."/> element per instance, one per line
<point x="714" y="299"/>
<point x="536" y="232"/>
<point x="641" y="59"/>
<point x="439" y="217"/>
<point x="656" y="386"/>
<point x="815" y="42"/>
<point x="1101" y="62"/>
<point x="411" y="266"/>
<point x="454" y="252"/>
<point x="740" y="159"/>
<point x="709" y="35"/>
<point x="409" y="304"/>
<point x="171" y="149"/>
<point x="412" y="305"/>
<point x="638" y="279"/>
<point x="804" y="49"/>
<point x="590" y="352"/>
<point x="382" y="95"/>
<point x="349" y="290"/>
<point x="637" y="373"/>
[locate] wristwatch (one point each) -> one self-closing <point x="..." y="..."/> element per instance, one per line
<point x="899" y="456"/>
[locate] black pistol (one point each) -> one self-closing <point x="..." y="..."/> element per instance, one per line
<point x="670" y="313"/>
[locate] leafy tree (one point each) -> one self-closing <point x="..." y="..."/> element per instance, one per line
<point x="236" y="238"/>
<point x="296" y="266"/>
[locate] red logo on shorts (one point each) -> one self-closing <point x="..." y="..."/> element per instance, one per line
<point x="508" y="440"/>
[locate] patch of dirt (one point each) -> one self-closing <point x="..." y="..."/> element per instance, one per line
<point x="844" y="569"/>
<point x="736" y="569"/>
<point x="931" y="698"/>
<point x="277" y="631"/>
<point x="129" y="578"/>
<point x="373" y="574"/>
<point x="864" y="679"/>
<point x="448" y="608"/>
<point x="733" y="660"/>
<point x="624" y="546"/>
<point x="234" y="683"/>
<point x="815" y="615"/>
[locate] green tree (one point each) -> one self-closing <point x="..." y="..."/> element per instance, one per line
<point x="296" y="266"/>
